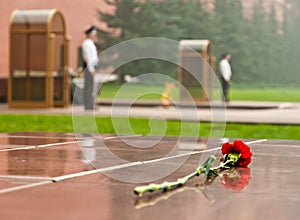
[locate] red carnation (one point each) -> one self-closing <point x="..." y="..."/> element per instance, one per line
<point x="239" y="148"/>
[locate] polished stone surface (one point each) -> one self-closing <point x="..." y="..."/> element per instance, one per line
<point x="54" y="176"/>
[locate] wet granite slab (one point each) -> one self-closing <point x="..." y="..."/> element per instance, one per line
<point x="268" y="189"/>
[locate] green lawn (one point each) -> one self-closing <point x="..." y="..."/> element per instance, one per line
<point x="58" y="123"/>
<point x="238" y="94"/>
<point x="132" y="91"/>
<point x="275" y="94"/>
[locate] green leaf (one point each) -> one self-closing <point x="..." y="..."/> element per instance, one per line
<point x="210" y="162"/>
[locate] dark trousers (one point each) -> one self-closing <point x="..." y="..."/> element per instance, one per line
<point x="225" y="90"/>
<point x="88" y="90"/>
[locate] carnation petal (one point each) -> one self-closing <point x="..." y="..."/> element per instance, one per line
<point x="241" y="148"/>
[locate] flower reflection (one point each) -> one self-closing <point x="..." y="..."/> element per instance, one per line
<point x="153" y="199"/>
<point x="236" y="178"/>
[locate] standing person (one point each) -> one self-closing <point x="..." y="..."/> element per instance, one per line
<point x="90" y="57"/>
<point x="225" y="73"/>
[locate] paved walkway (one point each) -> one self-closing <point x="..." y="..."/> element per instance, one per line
<point x="237" y="112"/>
<point x="53" y="176"/>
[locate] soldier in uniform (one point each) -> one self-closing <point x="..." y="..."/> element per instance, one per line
<point x="91" y="59"/>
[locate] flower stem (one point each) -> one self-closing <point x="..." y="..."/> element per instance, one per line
<point x="223" y="165"/>
<point x="140" y="190"/>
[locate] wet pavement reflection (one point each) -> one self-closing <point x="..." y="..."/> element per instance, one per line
<point x="55" y="176"/>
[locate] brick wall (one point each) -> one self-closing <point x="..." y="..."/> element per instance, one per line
<point x="78" y="13"/>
